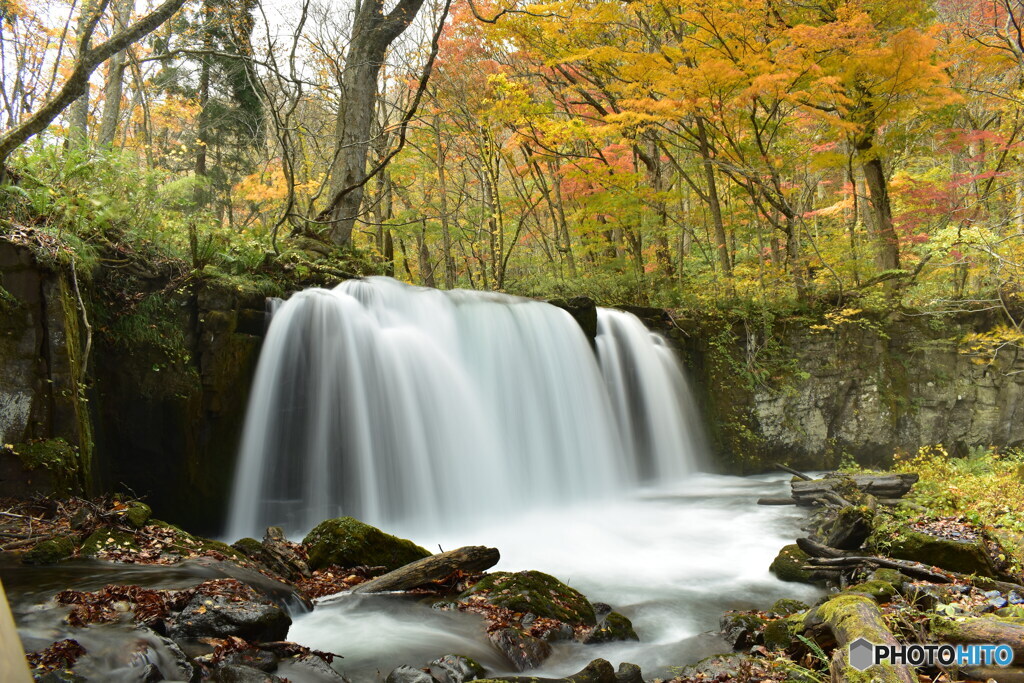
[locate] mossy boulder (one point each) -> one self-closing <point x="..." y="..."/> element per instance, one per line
<point x="786" y="606"/>
<point x="50" y="551"/>
<point x="249" y="547"/>
<point x="350" y="543"/>
<point x="613" y="627"/>
<point x="788" y="565"/>
<point x="137" y="514"/>
<point x="742" y="629"/>
<point x="107" y="539"/>
<point x="780" y="634"/>
<point x="535" y="593"/>
<point x="966" y="557"/>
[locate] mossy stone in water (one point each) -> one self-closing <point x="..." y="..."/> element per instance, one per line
<point x="614" y="627"/>
<point x="350" y="543"/>
<point x="51" y="551"/>
<point x="787" y="565"/>
<point x="537" y="593"/>
<point x="787" y="606"/>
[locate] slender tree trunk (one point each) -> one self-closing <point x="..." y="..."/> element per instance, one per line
<point x="888" y="257"/>
<point x="442" y="186"/>
<point x="78" y="114"/>
<point x="114" y="83"/>
<point x="426" y="271"/>
<point x="714" y="204"/>
<point x="372" y="34"/>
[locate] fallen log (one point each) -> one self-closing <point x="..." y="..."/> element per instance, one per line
<point x="475" y="558"/>
<point x="879" y="485"/>
<point x="776" y="501"/>
<point x="841" y="621"/>
<point x="795" y="473"/>
<point x="980" y="631"/>
<point x="911" y="569"/>
<point x="815" y="549"/>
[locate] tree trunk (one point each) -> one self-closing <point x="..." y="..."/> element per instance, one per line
<point x="888" y="257"/>
<point x="114" y="83"/>
<point x="372" y="34"/>
<point x="714" y="204"/>
<point x="442" y="187"/>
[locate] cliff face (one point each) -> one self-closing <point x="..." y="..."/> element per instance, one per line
<point x="813" y="395"/>
<point x="161" y="402"/>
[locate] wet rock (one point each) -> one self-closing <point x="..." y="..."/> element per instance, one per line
<point x="786" y="606"/>
<point x="254" y="618"/>
<point x="309" y="667"/>
<point x="537" y="593"/>
<point x="743" y="630"/>
<point x="523" y="651"/>
<point x="233" y="673"/>
<point x="407" y="674"/>
<point x="612" y="627"/>
<point x="629" y="673"/>
<point x="51" y="551"/>
<point x="455" y="669"/>
<point x="61" y="676"/>
<point x="347" y="542"/>
<point x="255" y="658"/>
<point x="788" y="565"/>
<point x="879" y="591"/>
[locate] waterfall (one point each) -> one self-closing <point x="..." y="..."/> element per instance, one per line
<point x="399" y="404"/>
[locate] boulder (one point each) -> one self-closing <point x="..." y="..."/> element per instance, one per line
<point x="535" y="593"/>
<point x="613" y="626"/>
<point x="50" y="551"/>
<point x="249" y="616"/>
<point x="966" y="557"/>
<point x="407" y="674"/>
<point x="522" y="650"/>
<point x="455" y="669"/>
<point x="788" y="565"/>
<point x="347" y="542"/>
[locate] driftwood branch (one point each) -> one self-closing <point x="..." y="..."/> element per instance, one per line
<point x="476" y="558"/>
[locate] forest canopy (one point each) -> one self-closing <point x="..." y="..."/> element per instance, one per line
<point x="860" y="153"/>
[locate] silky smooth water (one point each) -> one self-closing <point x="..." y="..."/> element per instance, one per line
<point x="672" y="559"/>
<point x="399" y="404"/>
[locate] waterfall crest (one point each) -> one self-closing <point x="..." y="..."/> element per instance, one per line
<point x="399" y="404"/>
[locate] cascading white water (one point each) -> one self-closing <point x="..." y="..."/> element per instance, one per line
<point x="398" y="404"/>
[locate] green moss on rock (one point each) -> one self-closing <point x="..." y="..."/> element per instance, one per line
<point x="787" y="606"/>
<point x="107" y="539"/>
<point x="137" y="514"/>
<point x="614" y="627"/>
<point x="51" y="551"/>
<point x="350" y="543"/>
<point x="56" y="456"/>
<point x="879" y="591"/>
<point x="957" y="556"/>
<point x="537" y="593"/>
<point x="787" y="565"/>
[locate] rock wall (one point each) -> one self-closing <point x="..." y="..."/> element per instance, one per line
<point x="811" y="394"/>
<point x="164" y="417"/>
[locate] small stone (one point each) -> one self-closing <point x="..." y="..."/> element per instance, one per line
<point x="1014" y="598"/>
<point x="998" y="603"/>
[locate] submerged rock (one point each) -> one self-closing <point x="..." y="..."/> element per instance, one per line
<point x="347" y="542"/>
<point x="612" y="627"/>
